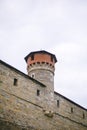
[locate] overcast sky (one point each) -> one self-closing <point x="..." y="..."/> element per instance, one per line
<point x="57" y="26"/>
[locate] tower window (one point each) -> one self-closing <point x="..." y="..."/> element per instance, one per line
<point x="43" y="62"/>
<point x="38" y="92"/>
<point x="57" y="103"/>
<point x="32" y="57"/>
<point x="33" y="75"/>
<point x="38" y="62"/>
<point x="15" y="82"/>
<point x="52" y="58"/>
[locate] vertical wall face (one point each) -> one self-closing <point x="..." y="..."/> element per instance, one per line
<point x="41" y="66"/>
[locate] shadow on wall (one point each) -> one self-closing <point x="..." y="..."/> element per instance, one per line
<point x="5" y="125"/>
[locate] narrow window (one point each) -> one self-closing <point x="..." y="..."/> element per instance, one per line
<point x="15" y="82"/>
<point x="57" y="103"/>
<point x="38" y="92"/>
<point x="83" y="116"/>
<point x="52" y="58"/>
<point x="33" y="75"/>
<point x="32" y="57"/>
<point x="71" y="109"/>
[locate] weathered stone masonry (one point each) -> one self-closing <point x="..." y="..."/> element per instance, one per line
<point x="30" y="103"/>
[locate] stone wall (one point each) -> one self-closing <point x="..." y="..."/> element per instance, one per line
<point x="22" y="108"/>
<point x="70" y="110"/>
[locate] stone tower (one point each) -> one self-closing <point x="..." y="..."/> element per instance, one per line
<point x="41" y="66"/>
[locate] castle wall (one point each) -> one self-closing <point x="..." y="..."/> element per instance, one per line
<point x="69" y="109"/>
<point x="21" y="105"/>
<point x="25" y="87"/>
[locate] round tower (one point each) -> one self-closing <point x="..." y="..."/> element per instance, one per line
<point x="41" y="66"/>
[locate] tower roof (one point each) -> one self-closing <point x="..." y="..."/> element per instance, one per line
<point x="42" y="52"/>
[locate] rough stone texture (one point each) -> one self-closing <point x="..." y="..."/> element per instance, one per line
<point x="22" y="109"/>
